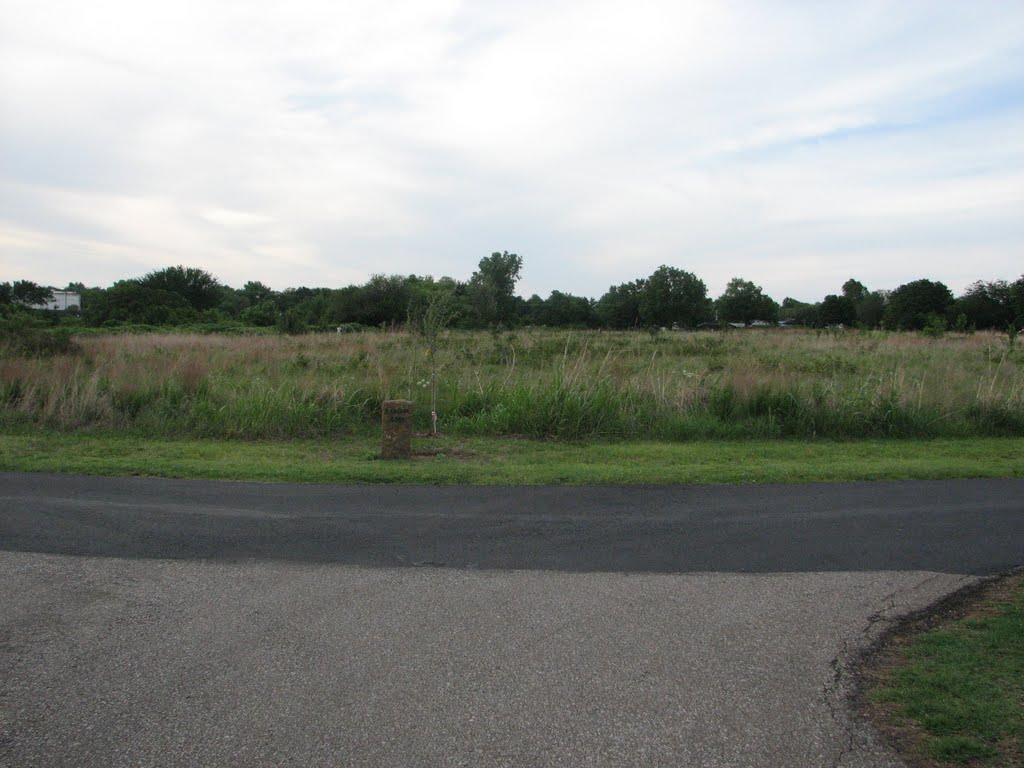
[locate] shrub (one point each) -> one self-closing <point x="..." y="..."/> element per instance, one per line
<point x="24" y="335"/>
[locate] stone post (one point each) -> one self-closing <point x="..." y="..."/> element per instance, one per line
<point x="396" y="418"/>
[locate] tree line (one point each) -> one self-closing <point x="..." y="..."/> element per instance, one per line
<point x="669" y="298"/>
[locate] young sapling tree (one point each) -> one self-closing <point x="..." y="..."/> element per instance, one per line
<point x="429" y="321"/>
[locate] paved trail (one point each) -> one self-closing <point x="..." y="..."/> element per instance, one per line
<point x="168" y="623"/>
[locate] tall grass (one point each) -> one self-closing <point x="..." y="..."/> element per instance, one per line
<point x="535" y="383"/>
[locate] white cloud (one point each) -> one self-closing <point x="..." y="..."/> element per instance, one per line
<point x="788" y="143"/>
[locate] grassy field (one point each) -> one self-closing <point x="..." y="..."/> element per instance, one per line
<point x="579" y="385"/>
<point x="955" y="695"/>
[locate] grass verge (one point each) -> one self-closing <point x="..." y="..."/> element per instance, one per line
<point x="497" y="461"/>
<point x="954" y="694"/>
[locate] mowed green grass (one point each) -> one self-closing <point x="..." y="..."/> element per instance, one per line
<point x="502" y="461"/>
<point x="960" y="689"/>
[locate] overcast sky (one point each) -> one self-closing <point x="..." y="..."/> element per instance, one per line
<point x="317" y="142"/>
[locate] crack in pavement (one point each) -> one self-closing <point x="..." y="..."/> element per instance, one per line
<point x="839" y="691"/>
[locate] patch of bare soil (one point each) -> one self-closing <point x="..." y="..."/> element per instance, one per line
<point x="456" y="454"/>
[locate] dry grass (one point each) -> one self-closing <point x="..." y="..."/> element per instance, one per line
<point x="567" y="384"/>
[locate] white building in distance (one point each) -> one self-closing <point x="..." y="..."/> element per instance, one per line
<point x="62" y="300"/>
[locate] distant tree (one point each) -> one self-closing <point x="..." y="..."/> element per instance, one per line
<point x="854" y="290"/>
<point x="262" y="315"/>
<point x="423" y="290"/>
<point x="383" y="299"/>
<point x="671" y="296"/>
<point x="871" y="309"/>
<point x="868" y="306"/>
<point x="306" y="308"/>
<point x="566" y="310"/>
<point x="199" y="288"/>
<point x="986" y="305"/>
<point x="386" y="300"/>
<point x="914" y="305"/>
<point x="92" y="297"/>
<point x="492" y="288"/>
<point x="255" y="292"/>
<point x="292" y="297"/>
<point x="1017" y="302"/>
<point x="801" y="312"/>
<point x="620" y="306"/>
<point x="128" y="301"/>
<point x="292" y="322"/>
<point x="837" y="310"/>
<point x="315" y="311"/>
<point x="347" y="305"/>
<point x="531" y="311"/>
<point x="29" y="294"/>
<point x="744" y="302"/>
<point x="6" y="293"/>
<point x="231" y="306"/>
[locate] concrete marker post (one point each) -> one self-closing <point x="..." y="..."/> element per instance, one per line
<point x="396" y="420"/>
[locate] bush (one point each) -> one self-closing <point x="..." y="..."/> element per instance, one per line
<point x="292" y="323"/>
<point x="934" y="326"/>
<point x="23" y="334"/>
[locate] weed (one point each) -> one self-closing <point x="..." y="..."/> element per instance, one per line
<point x="569" y="385"/>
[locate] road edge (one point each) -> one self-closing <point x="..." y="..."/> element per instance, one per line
<point x="865" y="665"/>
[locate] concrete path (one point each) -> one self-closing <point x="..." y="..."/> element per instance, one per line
<point x="173" y="623"/>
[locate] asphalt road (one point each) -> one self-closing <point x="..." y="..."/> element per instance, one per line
<point x="169" y="623"/>
<point x="966" y="527"/>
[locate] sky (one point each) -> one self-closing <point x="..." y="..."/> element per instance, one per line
<point x="318" y="142"/>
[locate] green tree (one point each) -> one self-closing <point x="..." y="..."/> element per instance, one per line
<point x="871" y="309"/>
<point x="806" y="314"/>
<point x="290" y="298"/>
<point x="1017" y="302"/>
<point x="232" y="304"/>
<point x="565" y="310"/>
<point x="128" y="301"/>
<point x="531" y="312"/>
<point x="199" y="288"/>
<point x="837" y="310"/>
<point x="986" y="305"/>
<point x="492" y="288"/>
<point x="262" y="315"/>
<point x="382" y="299"/>
<point x="868" y="306"/>
<point x="673" y="297"/>
<point x="386" y="300"/>
<point x="292" y="322"/>
<point x="29" y="294"/>
<point x="91" y="298"/>
<point x="255" y="292"/>
<point x="313" y="306"/>
<point x="620" y="306"/>
<point x="914" y="305"/>
<point x="744" y="302"/>
<point x="429" y="320"/>
<point x="854" y="290"/>
<point x="347" y="305"/>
